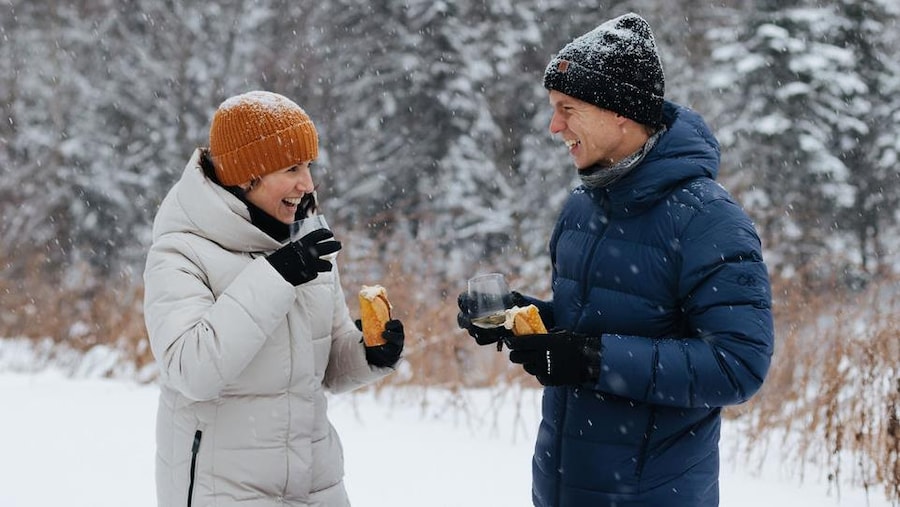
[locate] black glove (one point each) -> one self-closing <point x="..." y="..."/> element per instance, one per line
<point x="483" y="336"/>
<point x="388" y="354"/>
<point x="300" y="261"/>
<point x="558" y="359"/>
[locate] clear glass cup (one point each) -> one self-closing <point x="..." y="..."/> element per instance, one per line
<point x="489" y="297"/>
<point x="302" y="227"/>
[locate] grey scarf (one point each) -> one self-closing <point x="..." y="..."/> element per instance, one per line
<point x="600" y="177"/>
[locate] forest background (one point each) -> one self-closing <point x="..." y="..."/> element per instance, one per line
<point x="436" y="164"/>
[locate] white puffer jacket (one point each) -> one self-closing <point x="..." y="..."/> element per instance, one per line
<point x="244" y="360"/>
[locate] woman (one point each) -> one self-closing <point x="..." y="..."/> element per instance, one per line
<point x="248" y="327"/>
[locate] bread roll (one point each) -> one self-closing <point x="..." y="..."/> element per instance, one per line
<point x="524" y="320"/>
<point x="375" y="311"/>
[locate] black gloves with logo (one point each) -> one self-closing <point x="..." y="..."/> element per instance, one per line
<point x="300" y="261"/>
<point x="558" y="359"/>
<point x="388" y="354"/>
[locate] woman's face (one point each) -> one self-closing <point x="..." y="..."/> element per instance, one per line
<point x="279" y="193"/>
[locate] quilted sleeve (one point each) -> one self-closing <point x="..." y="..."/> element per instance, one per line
<point x="200" y="342"/>
<point x="726" y="303"/>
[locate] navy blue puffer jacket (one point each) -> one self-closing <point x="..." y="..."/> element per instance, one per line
<point x="668" y="269"/>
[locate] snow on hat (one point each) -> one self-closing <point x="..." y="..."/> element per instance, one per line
<point x="256" y="133"/>
<point x="616" y="67"/>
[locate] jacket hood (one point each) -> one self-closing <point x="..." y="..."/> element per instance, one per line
<point x="196" y="205"/>
<point x="687" y="150"/>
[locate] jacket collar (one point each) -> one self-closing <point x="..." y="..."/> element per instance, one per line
<point x="687" y="150"/>
<point x="202" y="207"/>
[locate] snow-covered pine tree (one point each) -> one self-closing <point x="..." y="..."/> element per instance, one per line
<point x="790" y="91"/>
<point x="870" y="151"/>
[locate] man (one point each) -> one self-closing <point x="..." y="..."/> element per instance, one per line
<point x="661" y="301"/>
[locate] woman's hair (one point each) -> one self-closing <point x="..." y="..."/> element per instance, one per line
<point x="209" y="170"/>
<point x="206" y="164"/>
<point x="308" y="206"/>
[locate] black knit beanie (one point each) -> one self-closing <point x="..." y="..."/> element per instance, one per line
<point x="616" y="67"/>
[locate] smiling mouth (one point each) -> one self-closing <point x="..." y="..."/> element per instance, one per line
<point x="572" y="143"/>
<point x="292" y="201"/>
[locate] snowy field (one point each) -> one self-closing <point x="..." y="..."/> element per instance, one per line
<point x="89" y="443"/>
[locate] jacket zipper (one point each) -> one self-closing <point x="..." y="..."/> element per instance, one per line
<point x="195" y="449"/>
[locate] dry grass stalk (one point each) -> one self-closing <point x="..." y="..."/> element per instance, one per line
<point x="834" y="385"/>
<point x="83" y="311"/>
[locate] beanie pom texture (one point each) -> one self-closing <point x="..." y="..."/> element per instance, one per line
<point x="615" y="67"/>
<point x="257" y="133"/>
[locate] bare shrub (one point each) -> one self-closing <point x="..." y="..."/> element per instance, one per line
<point x="81" y="310"/>
<point x="834" y="386"/>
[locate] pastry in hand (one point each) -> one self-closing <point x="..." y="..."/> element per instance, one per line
<point x="524" y="320"/>
<point x="375" y="311"/>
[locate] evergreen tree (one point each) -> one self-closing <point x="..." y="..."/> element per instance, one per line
<point x="791" y="92"/>
<point x="863" y="27"/>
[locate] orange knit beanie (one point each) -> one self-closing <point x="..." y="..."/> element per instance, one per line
<point x="256" y="133"/>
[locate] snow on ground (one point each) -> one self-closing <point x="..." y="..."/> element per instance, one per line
<point x="90" y="442"/>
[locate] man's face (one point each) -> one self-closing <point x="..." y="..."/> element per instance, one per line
<point x="593" y="135"/>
